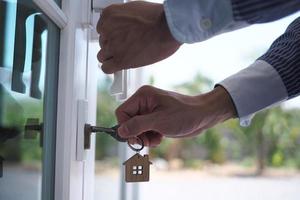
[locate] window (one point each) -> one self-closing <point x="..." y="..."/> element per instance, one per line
<point x="29" y="47"/>
<point x="137" y="170"/>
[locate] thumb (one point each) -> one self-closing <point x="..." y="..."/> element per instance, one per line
<point x="137" y="125"/>
<point x="109" y="66"/>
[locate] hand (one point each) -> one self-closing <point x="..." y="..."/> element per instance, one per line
<point x="132" y="35"/>
<point x="152" y="114"/>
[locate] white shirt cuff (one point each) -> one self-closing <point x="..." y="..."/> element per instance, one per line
<point x="255" y="88"/>
<point x="197" y="20"/>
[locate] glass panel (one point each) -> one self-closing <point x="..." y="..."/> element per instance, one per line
<point x="107" y="164"/>
<point x="29" y="45"/>
<point x="58" y="2"/>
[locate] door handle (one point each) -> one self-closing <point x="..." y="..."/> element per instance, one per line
<point x="120" y="82"/>
<point x="120" y="85"/>
<point x="33" y="128"/>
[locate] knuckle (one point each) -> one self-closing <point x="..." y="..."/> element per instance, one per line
<point x="99" y="56"/>
<point x="134" y="121"/>
<point x="117" y="59"/>
<point x="126" y="127"/>
<point x="99" y="25"/>
<point x="106" y="12"/>
<point x="119" y="111"/>
<point x="134" y="125"/>
<point x="109" y="10"/>
<point x="105" y="69"/>
<point x="145" y="89"/>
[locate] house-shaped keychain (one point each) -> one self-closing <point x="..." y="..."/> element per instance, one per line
<point x="137" y="168"/>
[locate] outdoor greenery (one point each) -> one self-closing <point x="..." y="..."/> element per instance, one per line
<point x="273" y="139"/>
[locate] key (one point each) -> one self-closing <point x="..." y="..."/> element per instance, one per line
<point x="113" y="131"/>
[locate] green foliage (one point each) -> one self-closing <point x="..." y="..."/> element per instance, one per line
<point x="214" y="147"/>
<point x="162" y="149"/>
<point x="199" y="84"/>
<point x="106" y="106"/>
<point x="211" y="139"/>
<point x="275" y="132"/>
<point x="273" y="136"/>
<point x="15" y="115"/>
<point x="193" y="164"/>
<point x="277" y="159"/>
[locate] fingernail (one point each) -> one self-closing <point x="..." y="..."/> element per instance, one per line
<point x="123" y="131"/>
<point x="132" y="141"/>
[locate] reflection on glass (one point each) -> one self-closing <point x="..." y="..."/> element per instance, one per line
<point x="23" y="42"/>
<point x="2" y="24"/>
<point x="58" y="2"/>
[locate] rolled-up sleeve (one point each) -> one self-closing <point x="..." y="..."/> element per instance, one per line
<point x="194" y="20"/>
<point x="255" y="88"/>
<point x="273" y="78"/>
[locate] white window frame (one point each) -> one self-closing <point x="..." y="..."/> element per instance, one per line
<point x="74" y="180"/>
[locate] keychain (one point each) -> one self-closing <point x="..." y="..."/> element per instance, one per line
<point x="137" y="168"/>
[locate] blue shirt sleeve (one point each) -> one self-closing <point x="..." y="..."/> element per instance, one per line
<point x="193" y="21"/>
<point x="197" y="20"/>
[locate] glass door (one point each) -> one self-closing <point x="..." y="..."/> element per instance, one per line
<point x="29" y="55"/>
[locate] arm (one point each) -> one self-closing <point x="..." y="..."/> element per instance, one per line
<point x="140" y="33"/>
<point x="199" y="20"/>
<point x="152" y="114"/>
<point x="273" y="78"/>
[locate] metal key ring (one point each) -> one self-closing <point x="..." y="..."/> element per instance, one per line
<point x="137" y="149"/>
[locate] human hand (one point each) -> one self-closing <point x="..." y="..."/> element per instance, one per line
<point x="132" y="35"/>
<point x="152" y="114"/>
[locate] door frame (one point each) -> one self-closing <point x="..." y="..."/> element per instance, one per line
<point x="72" y="177"/>
<point x="77" y="81"/>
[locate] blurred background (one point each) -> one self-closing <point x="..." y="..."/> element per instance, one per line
<point x="261" y="161"/>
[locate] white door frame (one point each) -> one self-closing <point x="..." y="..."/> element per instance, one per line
<point x="74" y="180"/>
<point x="70" y="173"/>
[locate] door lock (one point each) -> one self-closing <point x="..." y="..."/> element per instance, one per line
<point x="88" y="130"/>
<point x="1" y="166"/>
<point x="33" y="128"/>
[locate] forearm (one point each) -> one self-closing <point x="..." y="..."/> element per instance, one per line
<point x="220" y="104"/>
<point x="198" y="20"/>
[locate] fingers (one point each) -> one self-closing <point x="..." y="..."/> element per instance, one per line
<point x="103" y="21"/>
<point x="141" y="102"/>
<point x="109" y="66"/>
<point x="150" y="139"/>
<point x="138" y="125"/>
<point x="103" y="42"/>
<point x="128" y="109"/>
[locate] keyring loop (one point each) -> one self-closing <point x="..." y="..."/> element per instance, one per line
<point x="137" y="149"/>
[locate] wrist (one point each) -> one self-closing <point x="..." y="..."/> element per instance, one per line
<point x="217" y="106"/>
<point x="222" y="103"/>
<point x="164" y="27"/>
